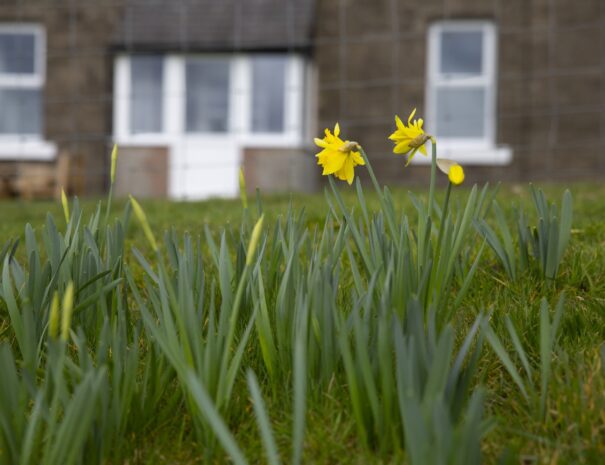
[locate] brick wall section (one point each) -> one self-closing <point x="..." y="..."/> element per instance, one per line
<point x="79" y="78"/>
<point x="371" y="59"/>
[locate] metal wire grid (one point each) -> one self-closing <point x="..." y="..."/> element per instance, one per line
<point x="76" y="140"/>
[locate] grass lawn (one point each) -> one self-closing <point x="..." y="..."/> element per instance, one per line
<point x="571" y="430"/>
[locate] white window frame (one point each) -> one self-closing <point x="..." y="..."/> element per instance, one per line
<point x="27" y="80"/>
<point x="293" y="118"/>
<point x="123" y="102"/>
<point x="240" y="122"/>
<point x="27" y="146"/>
<point x="165" y="98"/>
<point x="475" y="150"/>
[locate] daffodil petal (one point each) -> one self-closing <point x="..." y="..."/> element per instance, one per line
<point x="334" y="162"/>
<point x="399" y="123"/>
<point x="358" y="159"/>
<point x="394" y="135"/>
<point x="411" y="116"/>
<point x="349" y="171"/>
<point x="411" y="156"/>
<point x="320" y="142"/>
<point x="402" y="147"/>
<point x="336" y="130"/>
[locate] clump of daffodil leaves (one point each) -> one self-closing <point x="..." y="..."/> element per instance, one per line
<point x="426" y="253"/>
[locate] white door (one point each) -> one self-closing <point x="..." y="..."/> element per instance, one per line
<point x="205" y="159"/>
<point x="204" y="110"/>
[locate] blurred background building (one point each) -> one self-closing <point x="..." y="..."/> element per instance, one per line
<point x="192" y="90"/>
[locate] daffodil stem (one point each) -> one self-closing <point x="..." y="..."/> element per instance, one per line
<point x="109" y="199"/>
<point x="371" y="172"/>
<point x="433" y="175"/>
<point x="379" y="191"/>
<point x="356" y="236"/>
<point x="444" y="214"/>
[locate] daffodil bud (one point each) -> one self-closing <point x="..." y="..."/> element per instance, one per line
<point x="254" y="239"/>
<point x="242" y="188"/>
<point x="114" y="159"/>
<point x="140" y="214"/>
<point x="454" y="171"/>
<point x="68" y="308"/>
<point x="65" y="204"/>
<point x="53" y="317"/>
<point x="456" y="175"/>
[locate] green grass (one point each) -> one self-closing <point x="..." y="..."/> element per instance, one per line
<point x="573" y="431"/>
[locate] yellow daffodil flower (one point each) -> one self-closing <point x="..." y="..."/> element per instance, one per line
<point x="338" y="157"/>
<point x="411" y="138"/>
<point x="454" y="171"/>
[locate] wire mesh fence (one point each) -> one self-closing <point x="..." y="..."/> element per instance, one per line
<point x="363" y="60"/>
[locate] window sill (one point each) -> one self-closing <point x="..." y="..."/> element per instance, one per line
<point x="470" y="155"/>
<point x="144" y="140"/>
<point x="283" y="140"/>
<point x="27" y="150"/>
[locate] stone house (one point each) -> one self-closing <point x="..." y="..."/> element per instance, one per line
<point x="192" y="90"/>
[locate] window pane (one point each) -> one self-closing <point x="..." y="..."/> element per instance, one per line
<point x="461" y="112"/>
<point x="461" y="52"/>
<point x="268" y="93"/>
<point x="20" y="111"/>
<point x="146" y="80"/>
<point x="17" y="53"/>
<point x="207" y="84"/>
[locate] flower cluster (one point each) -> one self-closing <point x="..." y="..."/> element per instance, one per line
<point x="340" y="157"/>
